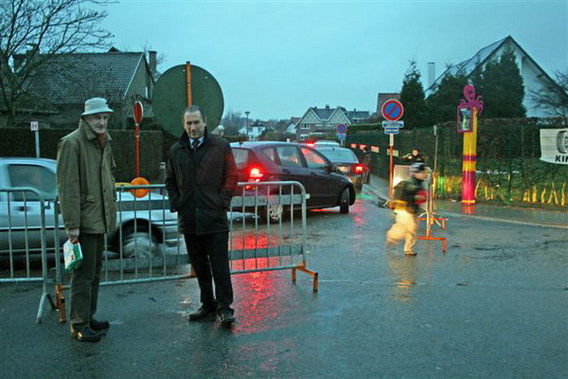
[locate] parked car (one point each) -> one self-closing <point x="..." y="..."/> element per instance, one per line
<point x="142" y="223"/>
<point x="265" y="161"/>
<point x="346" y="160"/>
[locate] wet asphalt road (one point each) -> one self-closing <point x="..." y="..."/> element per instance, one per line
<point x="495" y="305"/>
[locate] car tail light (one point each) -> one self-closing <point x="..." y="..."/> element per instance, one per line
<point x="359" y="169"/>
<point x="255" y="174"/>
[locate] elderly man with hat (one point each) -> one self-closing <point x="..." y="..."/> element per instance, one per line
<point x="85" y="183"/>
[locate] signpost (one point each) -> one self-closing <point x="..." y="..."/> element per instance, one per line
<point x="138" y="114"/>
<point x="392" y="110"/>
<point x="184" y="85"/>
<point x="341" y="133"/>
<point x="34" y="127"/>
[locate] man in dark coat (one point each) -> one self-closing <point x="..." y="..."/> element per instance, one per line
<point x="415" y="156"/>
<point x="201" y="178"/>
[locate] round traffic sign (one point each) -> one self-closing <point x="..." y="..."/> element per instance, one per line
<point x="341" y="128"/>
<point x="138" y="112"/>
<point x="169" y="98"/>
<point x="392" y="110"/>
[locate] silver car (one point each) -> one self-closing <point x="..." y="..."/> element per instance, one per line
<point x="143" y="223"/>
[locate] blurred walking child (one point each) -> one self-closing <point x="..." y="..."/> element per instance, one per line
<point x="409" y="195"/>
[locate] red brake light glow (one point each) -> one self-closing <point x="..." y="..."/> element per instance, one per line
<point x="255" y="174"/>
<point x="359" y="169"/>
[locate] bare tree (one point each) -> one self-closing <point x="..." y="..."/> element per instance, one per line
<point x="32" y="32"/>
<point x="554" y="97"/>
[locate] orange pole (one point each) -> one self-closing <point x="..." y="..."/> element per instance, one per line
<point x="189" y="101"/>
<point x="391" y="167"/>
<point x="137" y="131"/>
<point x="188" y="84"/>
<point x="390" y="171"/>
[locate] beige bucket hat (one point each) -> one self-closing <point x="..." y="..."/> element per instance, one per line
<point x="96" y="105"/>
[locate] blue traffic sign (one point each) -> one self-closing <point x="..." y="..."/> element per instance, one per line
<point x="392" y="110"/>
<point x="392" y="130"/>
<point x="393" y="124"/>
<point x="341" y="128"/>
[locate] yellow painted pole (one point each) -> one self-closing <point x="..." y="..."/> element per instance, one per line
<point x="469" y="162"/>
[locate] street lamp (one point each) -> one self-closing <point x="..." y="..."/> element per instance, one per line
<point x="247" y="125"/>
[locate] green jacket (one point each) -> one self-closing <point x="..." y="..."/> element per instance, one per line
<point x="85" y="182"/>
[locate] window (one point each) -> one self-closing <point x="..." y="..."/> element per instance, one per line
<point x="270" y="153"/>
<point x="241" y="158"/>
<point x="314" y="159"/>
<point x="289" y="156"/>
<point x="37" y="177"/>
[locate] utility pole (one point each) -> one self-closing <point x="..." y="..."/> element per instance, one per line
<point x="247" y="126"/>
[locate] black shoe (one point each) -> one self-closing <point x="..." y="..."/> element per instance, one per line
<point x="99" y="326"/>
<point x="410" y="253"/>
<point x="225" y="317"/>
<point x="203" y="314"/>
<point x="86" y="335"/>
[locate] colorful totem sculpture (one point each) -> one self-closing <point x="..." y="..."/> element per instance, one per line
<point x="469" y="110"/>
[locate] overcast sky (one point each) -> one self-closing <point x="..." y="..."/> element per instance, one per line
<point x="277" y="58"/>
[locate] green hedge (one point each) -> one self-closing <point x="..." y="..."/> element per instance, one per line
<point x="20" y="142"/>
<point x="508" y="152"/>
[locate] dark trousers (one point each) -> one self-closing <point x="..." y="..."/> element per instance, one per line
<point x="209" y="257"/>
<point x="85" y="281"/>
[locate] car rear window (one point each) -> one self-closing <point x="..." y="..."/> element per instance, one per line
<point x="241" y="157"/>
<point x="340" y="155"/>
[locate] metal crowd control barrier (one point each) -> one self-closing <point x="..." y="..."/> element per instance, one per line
<point x="279" y="243"/>
<point x="24" y="238"/>
<point x="431" y="217"/>
<point x="147" y="246"/>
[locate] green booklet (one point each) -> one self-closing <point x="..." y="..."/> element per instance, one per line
<point x="72" y="254"/>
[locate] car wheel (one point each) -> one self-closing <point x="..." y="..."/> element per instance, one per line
<point x="272" y="213"/>
<point x="344" y="201"/>
<point x="139" y="244"/>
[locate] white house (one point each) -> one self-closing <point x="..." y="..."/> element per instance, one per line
<point x="534" y="77"/>
<point x="322" y="121"/>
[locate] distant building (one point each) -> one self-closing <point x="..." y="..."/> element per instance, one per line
<point x="60" y="87"/>
<point x="291" y="128"/>
<point x="322" y="121"/>
<point x="254" y="131"/>
<point x="534" y="77"/>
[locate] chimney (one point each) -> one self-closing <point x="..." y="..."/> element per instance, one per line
<point x="431" y="73"/>
<point x="152" y="61"/>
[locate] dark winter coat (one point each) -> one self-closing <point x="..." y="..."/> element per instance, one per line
<point x="405" y="195"/>
<point x="200" y="184"/>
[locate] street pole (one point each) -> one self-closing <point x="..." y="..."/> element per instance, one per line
<point x="391" y="166"/>
<point x="247" y="125"/>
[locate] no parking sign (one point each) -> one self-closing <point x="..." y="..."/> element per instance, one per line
<point x="392" y="110"/>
